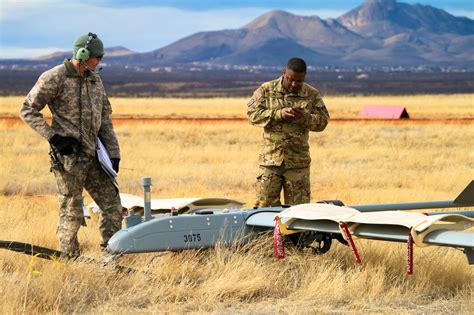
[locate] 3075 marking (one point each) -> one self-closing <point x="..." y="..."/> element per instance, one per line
<point x="188" y="238"/>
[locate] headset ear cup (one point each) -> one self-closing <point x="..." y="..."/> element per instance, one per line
<point x="82" y="54"/>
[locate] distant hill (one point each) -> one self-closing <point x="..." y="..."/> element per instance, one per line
<point x="410" y="34"/>
<point x="268" y="40"/>
<point x="386" y="18"/>
<point x="376" y="33"/>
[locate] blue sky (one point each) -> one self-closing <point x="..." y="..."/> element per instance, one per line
<point x="30" y="28"/>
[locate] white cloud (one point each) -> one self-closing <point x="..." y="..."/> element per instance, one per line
<point x="19" y="9"/>
<point x="20" y="53"/>
<point x="152" y="28"/>
<point x="140" y="29"/>
<point x="465" y="13"/>
<point x="323" y="14"/>
<point x="34" y="24"/>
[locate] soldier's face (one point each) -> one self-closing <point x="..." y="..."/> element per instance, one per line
<point x="93" y="62"/>
<point x="293" y="81"/>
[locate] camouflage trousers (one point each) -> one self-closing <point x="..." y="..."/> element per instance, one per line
<point x="79" y="171"/>
<point x="272" y="179"/>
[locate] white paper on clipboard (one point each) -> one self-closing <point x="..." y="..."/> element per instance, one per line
<point x="104" y="159"/>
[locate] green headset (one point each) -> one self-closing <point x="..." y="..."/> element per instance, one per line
<point x="83" y="53"/>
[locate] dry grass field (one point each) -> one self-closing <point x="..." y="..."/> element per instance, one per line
<point x="357" y="162"/>
<point x="420" y="106"/>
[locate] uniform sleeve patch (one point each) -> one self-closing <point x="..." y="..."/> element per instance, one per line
<point x="255" y="98"/>
<point x="251" y="101"/>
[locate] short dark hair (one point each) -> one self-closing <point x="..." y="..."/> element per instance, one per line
<point x="296" y="64"/>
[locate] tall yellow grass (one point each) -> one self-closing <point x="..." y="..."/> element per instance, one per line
<point x="357" y="162"/>
<point x="429" y="106"/>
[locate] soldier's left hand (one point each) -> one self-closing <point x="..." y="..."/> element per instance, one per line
<point x="115" y="164"/>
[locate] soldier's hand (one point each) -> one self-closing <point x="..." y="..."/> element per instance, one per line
<point x="115" y="164"/>
<point x="298" y="112"/>
<point x="290" y="114"/>
<point x="65" y="145"/>
<point x="287" y="113"/>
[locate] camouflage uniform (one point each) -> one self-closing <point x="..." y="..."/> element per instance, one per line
<point x="80" y="109"/>
<point x="285" y="160"/>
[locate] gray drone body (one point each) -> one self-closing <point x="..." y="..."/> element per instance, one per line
<point x="210" y="227"/>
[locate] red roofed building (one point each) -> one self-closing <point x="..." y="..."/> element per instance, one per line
<point x="384" y="112"/>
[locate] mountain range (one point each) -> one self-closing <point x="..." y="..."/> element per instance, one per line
<point x="376" y="33"/>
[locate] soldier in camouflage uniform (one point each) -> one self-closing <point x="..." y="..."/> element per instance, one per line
<point x="81" y="112"/>
<point x="287" y="109"/>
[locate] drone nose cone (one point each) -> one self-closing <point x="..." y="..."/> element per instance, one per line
<point x="121" y="242"/>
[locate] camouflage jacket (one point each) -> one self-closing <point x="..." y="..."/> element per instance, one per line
<point x="79" y="107"/>
<point x="284" y="142"/>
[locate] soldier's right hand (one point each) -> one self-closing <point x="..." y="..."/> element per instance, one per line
<point x="65" y="145"/>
